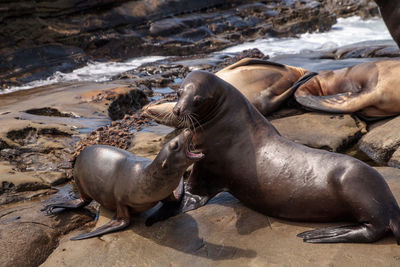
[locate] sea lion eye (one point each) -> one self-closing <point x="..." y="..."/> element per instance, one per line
<point x="179" y="92"/>
<point x="174" y="146"/>
<point x="197" y="100"/>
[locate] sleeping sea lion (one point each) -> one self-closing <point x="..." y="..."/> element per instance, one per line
<point x="369" y="89"/>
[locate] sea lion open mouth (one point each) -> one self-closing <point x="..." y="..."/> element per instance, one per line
<point x="190" y="153"/>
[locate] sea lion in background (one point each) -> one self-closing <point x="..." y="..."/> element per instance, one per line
<point x="247" y="157"/>
<point x="390" y="11"/>
<point x="266" y="85"/>
<point x="371" y="89"/>
<point x="121" y="181"/>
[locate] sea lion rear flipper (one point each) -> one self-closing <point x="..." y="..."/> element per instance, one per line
<point x="344" y="234"/>
<point x="111" y="226"/>
<point x="339" y="103"/>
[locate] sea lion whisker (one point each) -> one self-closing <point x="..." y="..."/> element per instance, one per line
<point x="197" y="121"/>
<point x="192" y="123"/>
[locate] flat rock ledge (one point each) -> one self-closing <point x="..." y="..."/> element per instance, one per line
<point x="382" y="141"/>
<point x="324" y="131"/>
<point x="222" y="233"/>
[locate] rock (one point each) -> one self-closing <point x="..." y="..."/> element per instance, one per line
<point x="330" y="132"/>
<point x="382" y="141"/>
<point x="29" y="64"/>
<point x="148" y="143"/>
<point x="367" y="49"/>
<point x="127" y="104"/>
<point x="347" y="8"/>
<point x="222" y="233"/>
<point x="395" y="159"/>
<point x="27" y="236"/>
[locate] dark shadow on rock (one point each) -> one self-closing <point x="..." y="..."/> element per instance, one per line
<point x="248" y="220"/>
<point x="182" y="233"/>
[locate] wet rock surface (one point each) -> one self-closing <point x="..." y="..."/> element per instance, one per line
<point x="62" y="35"/>
<point x="222" y="233"/>
<point x="330" y="132"/>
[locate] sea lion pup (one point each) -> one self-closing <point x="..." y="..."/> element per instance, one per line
<point x="390" y="11"/>
<point x="371" y="89"/>
<point x="121" y="181"/>
<point x="247" y="157"/>
<point x="266" y="85"/>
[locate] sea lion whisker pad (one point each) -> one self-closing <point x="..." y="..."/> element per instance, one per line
<point x="121" y="181"/>
<point x="247" y="157"/>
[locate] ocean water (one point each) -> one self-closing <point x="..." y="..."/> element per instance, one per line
<point x="92" y="72"/>
<point x="346" y="31"/>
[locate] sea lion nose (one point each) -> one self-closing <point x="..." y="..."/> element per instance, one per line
<point x="177" y="111"/>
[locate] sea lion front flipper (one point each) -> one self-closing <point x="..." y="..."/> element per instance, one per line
<point x="169" y="209"/>
<point x="170" y="206"/>
<point x="72" y="204"/>
<point x="111" y="226"/>
<point x="339" y="103"/>
<point x="363" y="233"/>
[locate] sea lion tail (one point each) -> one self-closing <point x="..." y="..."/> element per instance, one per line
<point x="394" y="225"/>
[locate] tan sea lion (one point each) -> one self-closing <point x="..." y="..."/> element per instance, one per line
<point x="266" y="85"/>
<point x="249" y="158"/>
<point x="370" y="89"/>
<point x="121" y="181"/>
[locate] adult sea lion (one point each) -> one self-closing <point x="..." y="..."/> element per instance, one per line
<point x="266" y="85"/>
<point x="390" y="11"/>
<point x="370" y="89"/>
<point x="249" y="158"/>
<point x="121" y="181"/>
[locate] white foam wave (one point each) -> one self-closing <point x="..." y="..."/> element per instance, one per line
<point x="346" y="31"/>
<point x="92" y="72"/>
